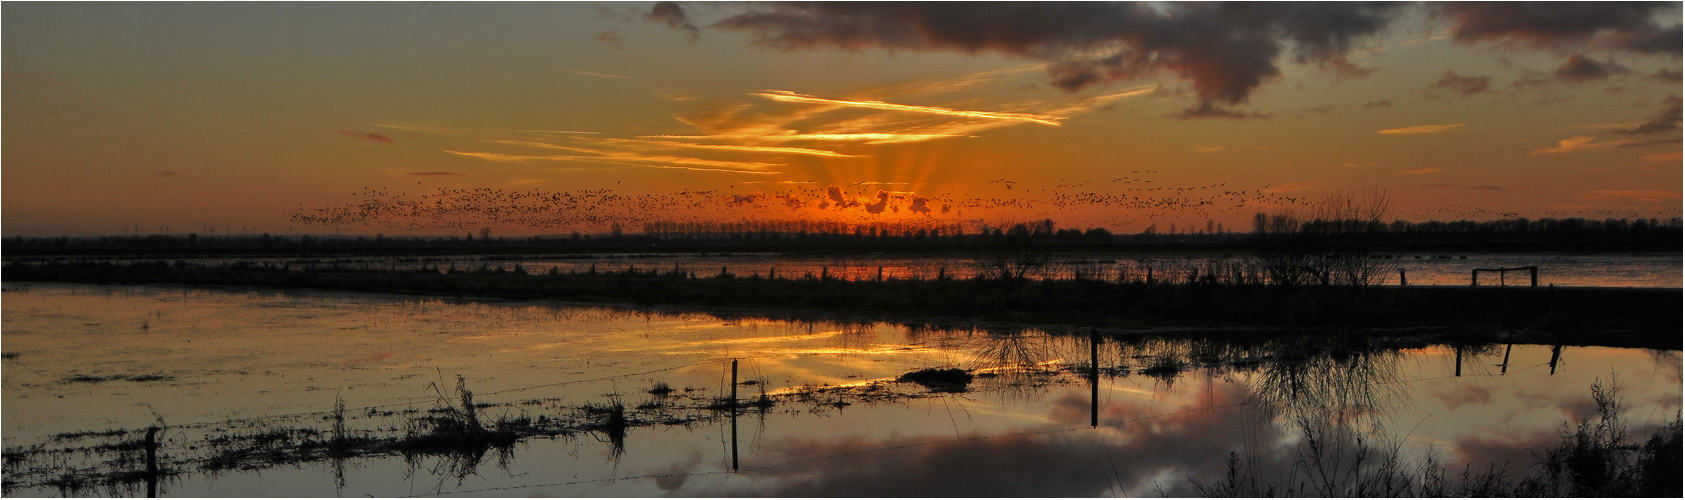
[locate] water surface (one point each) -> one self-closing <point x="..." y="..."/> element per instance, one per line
<point x="209" y="362"/>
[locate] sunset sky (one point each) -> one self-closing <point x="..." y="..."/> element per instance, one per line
<point x="539" y="118"/>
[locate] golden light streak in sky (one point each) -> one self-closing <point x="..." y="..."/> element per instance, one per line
<point x="871" y="138"/>
<point x="747" y="149"/>
<point x="787" y="96"/>
<point x="591" y="159"/>
<point x="635" y="157"/>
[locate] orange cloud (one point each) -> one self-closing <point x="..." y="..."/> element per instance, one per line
<point x="1422" y="170"/>
<point x="1421" y="129"/>
<point x="1572" y="144"/>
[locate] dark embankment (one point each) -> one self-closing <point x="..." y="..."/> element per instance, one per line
<point x="1629" y="317"/>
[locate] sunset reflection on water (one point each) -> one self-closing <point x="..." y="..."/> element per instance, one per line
<point x="1168" y="410"/>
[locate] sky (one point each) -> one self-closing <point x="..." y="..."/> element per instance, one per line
<point x="546" y="118"/>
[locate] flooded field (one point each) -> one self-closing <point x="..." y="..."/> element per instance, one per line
<point x="1598" y="270"/>
<point x="604" y="401"/>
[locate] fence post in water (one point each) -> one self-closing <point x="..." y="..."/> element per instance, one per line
<point x="772" y="274"/>
<point x="942" y="274"/>
<point x="1401" y="280"/>
<point x="824" y="272"/>
<point x="880" y="273"/>
<point x="722" y="275"/>
<point x="1459" y="361"/>
<point x="1474" y="278"/>
<point x="1534" y="270"/>
<point x="151" y="462"/>
<point x="1555" y="354"/>
<point x="1094" y="377"/>
<point x="733" y="414"/>
<point x="1504" y="368"/>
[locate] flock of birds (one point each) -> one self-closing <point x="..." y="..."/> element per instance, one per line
<point x="1132" y="199"/>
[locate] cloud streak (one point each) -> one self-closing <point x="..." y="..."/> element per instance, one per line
<point x="650" y="162"/>
<point x="638" y="158"/>
<point x="867" y="138"/>
<point x="787" y="96"/>
<point x="600" y="75"/>
<point x="1421" y="129"/>
<point x="740" y="148"/>
<point x="1579" y="143"/>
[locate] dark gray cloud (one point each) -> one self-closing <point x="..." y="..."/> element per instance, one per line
<point x="1577" y="69"/>
<point x="1463" y="85"/>
<point x="834" y="196"/>
<point x="1629" y="26"/>
<point x="1665" y="121"/>
<point x="1226" y="50"/>
<point x="674" y="16"/>
<point x="878" y="206"/>
<point x="920" y="205"/>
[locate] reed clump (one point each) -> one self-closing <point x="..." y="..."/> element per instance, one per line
<point x="938" y="379"/>
<point x="1594" y="458"/>
<point x="455" y="423"/>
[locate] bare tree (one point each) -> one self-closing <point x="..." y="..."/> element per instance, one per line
<point x="1016" y="253"/>
<point x="1330" y="243"/>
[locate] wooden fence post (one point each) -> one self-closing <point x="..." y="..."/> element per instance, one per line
<point x="733" y="414"/>
<point x="152" y="462"/>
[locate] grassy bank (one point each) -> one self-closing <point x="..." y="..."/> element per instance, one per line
<point x="1617" y="317"/>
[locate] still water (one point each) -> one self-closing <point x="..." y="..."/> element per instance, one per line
<point x="1453" y="269"/>
<point x="207" y="364"/>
